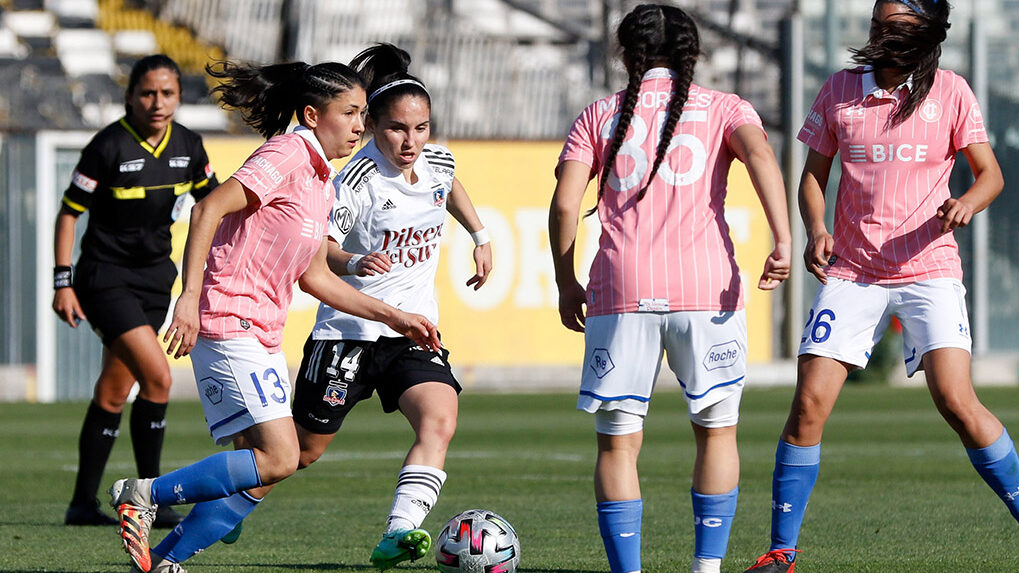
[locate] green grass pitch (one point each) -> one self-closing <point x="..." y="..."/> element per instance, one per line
<point x="896" y="491"/>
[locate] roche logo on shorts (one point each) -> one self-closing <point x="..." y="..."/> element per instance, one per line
<point x="212" y="389"/>
<point x="245" y="324"/>
<point x="722" y="355"/>
<point x="601" y="362"/>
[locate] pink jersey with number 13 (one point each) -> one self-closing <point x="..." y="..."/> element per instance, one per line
<point x="671" y="250"/>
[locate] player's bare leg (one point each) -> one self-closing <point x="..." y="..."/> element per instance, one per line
<point x="950" y="385"/>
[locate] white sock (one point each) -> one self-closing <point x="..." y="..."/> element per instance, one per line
<point x="417" y="489"/>
<point x="701" y="565"/>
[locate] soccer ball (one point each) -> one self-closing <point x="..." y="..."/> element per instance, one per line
<point x="478" y="541"/>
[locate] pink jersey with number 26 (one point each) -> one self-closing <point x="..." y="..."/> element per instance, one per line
<point x="671" y="250"/>
<point x="893" y="178"/>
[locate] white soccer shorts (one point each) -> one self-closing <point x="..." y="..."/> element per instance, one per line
<point x="706" y="350"/>
<point x="240" y="384"/>
<point x="849" y="318"/>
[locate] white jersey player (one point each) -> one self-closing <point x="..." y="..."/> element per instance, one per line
<point x="391" y="203"/>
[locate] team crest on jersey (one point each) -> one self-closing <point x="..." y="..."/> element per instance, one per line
<point x="245" y="324"/>
<point x="438" y="195"/>
<point x="132" y="166"/>
<point x="930" y="110"/>
<point x="335" y="394"/>
<point x="180" y="162"/>
<point x="343" y="219"/>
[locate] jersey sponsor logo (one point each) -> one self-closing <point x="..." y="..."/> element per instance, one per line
<point x="132" y="166"/>
<point x="268" y="168"/>
<point x="180" y="161"/>
<point x="343" y="219"/>
<point x="975" y="114"/>
<point x="438" y="195"/>
<point x="245" y="324"/>
<point x="311" y="229"/>
<point x="884" y="153"/>
<point x="83" y="182"/>
<point x="388" y="205"/>
<point x="212" y="389"/>
<point x="931" y="111"/>
<point x="410" y="246"/>
<point x="601" y="362"/>
<point x="356" y="173"/>
<point x="722" y="355"/>
<point x="815" y="118"/>
<point x="853" y="112"/>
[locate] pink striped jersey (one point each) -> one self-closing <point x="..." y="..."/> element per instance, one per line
<point x="259" y="252"/>
<point x="893" y="178"/>
<point x="670" y="251"/>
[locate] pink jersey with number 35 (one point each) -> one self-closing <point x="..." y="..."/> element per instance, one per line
<point x="671" y="250"/>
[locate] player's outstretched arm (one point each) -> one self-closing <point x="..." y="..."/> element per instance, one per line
<point x="987" y="184"/>
<point x="751" y="147"/>
<point x="820" y="243"/>
<point x="462" y="209"/>
<point x="65" y="302"/>
<point x="563" y="219"/>
<point x="205" y="218"/>
<point x="321" y="283"/>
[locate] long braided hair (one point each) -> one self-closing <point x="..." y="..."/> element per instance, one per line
<point x="913" y="45"/>
<point x="653" y="35"/>
<point x="269" y="96"/>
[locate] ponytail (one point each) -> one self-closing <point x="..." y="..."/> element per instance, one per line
<point x="268" y="96"/>
<point x="384" y="69"/>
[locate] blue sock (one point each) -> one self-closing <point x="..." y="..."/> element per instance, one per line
<point x="999" y="466"/>
<point x="206" y="524"/>
<point x="219" y="475"/>
<point x="619" y="522"/>
<point x="712" y="522"/>
<point x="795" y="474"/>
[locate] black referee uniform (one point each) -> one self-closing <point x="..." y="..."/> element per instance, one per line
<point x="134" y="192"/>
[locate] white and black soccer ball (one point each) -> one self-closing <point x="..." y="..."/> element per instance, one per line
<point x="478" y="541"/>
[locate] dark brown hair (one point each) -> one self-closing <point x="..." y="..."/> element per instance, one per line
<point x="652" y="35"/>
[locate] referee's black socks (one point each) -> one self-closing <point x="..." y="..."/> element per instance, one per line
<point x="148" y="425"/>
<point x="98" y="432"/>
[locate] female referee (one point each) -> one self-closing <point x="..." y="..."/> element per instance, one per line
<point x="392" y="199"/>
<point x="133" y="178"/>
<point x="664" y="278"/>
<point x="897" y="123"/>
<point x="256" y="235"/>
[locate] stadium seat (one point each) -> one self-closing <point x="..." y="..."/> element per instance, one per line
<point x="85" y="52"/>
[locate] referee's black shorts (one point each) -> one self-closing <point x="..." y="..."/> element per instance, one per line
<point x="337" y="374"/>
<point x="117" y="299"/>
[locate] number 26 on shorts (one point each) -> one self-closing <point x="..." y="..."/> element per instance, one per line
<point x="822" y="325"/>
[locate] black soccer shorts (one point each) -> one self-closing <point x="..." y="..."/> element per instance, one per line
<point x="337" y="374"/>
<point x="117" y="299"/>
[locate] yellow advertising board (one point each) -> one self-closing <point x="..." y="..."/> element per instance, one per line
<point x="513" y="320"/>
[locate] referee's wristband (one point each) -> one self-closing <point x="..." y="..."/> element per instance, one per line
<point x="352" y="264"/>
<point x="481" y="237"/>
<point x="61" y="277"/>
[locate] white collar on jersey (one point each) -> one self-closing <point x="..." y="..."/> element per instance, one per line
<point x="870" y="87"/>
<point x="309" y="136"/>
<point x="659" y="74"/>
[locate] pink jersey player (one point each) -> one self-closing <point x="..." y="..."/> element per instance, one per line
<point x="664" y="279"/>
<point x="896" y="122"/>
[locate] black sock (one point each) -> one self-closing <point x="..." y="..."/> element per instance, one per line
<point x="98" y="432"/>
<point x="148" y="424"/>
